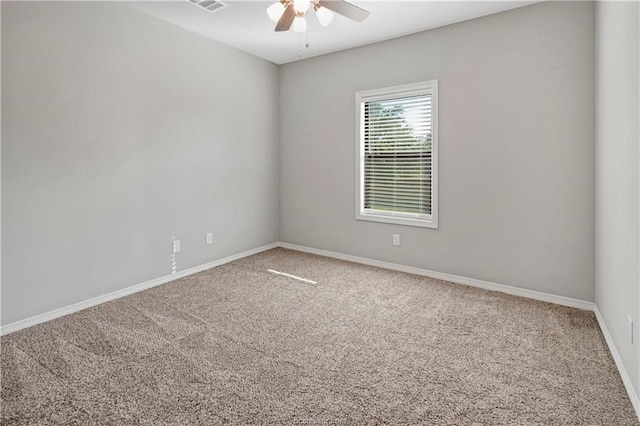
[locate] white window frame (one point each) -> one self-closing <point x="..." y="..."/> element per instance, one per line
<point x="410" y="219"/>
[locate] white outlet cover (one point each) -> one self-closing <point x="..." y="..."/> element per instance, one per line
<point x="396" y="239"/>
<point x="630" y="324"/>
<point x="209" y="238"/>
<point x="176" y="246"/>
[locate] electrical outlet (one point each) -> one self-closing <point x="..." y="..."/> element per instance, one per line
<point x="396" y="239"/>
<point x="176" y="246"/>
<point x="630" y="328"/>
<point x="209" y="238"/>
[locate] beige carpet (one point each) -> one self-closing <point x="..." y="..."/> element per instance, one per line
<point x="239" y="344"/>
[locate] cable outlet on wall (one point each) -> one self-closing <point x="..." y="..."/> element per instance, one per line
<point x="176" y="246"/>
<point x="396" y="239"/>
<point x="209" y="238"/>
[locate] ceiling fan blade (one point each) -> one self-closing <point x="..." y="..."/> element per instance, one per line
<point x="286" y="19"/>
<point x="348" y="10"/>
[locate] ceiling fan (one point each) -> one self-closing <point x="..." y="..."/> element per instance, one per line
<point x="290" y="14"/>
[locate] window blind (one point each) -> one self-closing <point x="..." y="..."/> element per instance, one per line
<point x="398" y="155"/>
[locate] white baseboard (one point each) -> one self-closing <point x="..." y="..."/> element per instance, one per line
<point x="37" y="319"/>
<point x="48" y="316"/>
<point x="531" y="294"/>
<point x="633" y="396"/>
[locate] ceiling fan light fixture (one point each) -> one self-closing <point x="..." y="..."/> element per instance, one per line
<point x="301" y="6"/>
<point x="275" y="11"/>
<point x="290" y="14"/>
<point x="325" y="16"/>
<point x="299" y="24"/>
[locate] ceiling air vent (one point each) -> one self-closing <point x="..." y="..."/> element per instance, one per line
<point x="210" y="5"/>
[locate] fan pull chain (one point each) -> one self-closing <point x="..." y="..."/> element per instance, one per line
<point x="306" y="45"/>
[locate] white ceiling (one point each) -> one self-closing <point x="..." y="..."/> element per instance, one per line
<point x="246" y="26"/>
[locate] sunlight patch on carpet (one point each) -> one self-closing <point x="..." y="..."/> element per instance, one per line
<point x="292" y="276"/>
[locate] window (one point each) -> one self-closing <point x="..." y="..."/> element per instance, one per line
<point x="397" y="155"/>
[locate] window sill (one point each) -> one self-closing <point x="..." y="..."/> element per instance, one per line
<point x="397" y="219"/>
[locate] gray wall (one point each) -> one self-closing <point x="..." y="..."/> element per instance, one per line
<point x="121" y="131"/>
<point x="617" y="175"/>
<point x="516" y="149"/>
